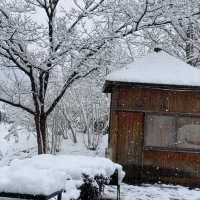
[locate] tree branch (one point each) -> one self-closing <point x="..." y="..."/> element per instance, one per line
<point x="18" y="105"/>
<point x="74" y="76"/>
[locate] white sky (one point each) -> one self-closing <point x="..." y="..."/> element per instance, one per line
<point x="40" y="16"/>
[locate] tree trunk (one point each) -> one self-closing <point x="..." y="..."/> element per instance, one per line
<point x="189" y="44"/>
<point x="40" y="123"/>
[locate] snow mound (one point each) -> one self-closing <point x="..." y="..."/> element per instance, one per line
<point x="45" y="174"/>
<point x="29" y="180"/>
<point x="72" y="166"/>
<point x="158" y="68"/>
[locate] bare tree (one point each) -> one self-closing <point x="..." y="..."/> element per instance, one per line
<point x="33" y="56"/>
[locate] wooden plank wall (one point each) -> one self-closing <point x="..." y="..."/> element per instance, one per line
<point x="181" y="161"/>
<point x="113" y="136"/>
<point x="128" y="105"/>
<point x="172" y="167"/>
<point x="156" y="100"/>
<point x="126" y="137"/>
<point x="129" y="145"/>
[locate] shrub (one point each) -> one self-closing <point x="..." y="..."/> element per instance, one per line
<point x="92" y="187"/>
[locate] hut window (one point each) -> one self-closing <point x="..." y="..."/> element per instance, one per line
<point x="188" y="132"/>
<point x="172" y="131"/>
<point x="160" y="130"/>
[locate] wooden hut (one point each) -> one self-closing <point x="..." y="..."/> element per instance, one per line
<point x="155" y="120"/>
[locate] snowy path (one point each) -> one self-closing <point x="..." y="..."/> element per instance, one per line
<point x="154" y="192"/>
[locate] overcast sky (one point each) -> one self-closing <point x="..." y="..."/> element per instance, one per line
<point x="40" y="16"/>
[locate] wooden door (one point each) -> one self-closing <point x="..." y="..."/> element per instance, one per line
<point x="129" y="138"/>
<point x="113" y="132"/>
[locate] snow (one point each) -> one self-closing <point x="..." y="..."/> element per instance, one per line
<point x="45" y="174"/>
<point x="158" y="68"/>
<point x="71" y="148"/>
<point x="71" y="191"/>
<point x="72" y="166"/>
<point x="29" y="180"/>
<point x="11" y="144"/>
<point x="128" y="192"/>
<point x="154" y="192"/>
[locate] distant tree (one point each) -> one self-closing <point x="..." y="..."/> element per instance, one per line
<point x="180" y="34"/>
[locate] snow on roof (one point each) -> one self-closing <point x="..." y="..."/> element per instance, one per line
<point x="158" y="68"/>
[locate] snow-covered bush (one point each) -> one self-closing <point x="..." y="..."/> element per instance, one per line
<point x="89" y="189"/>
<point x="101" y="181"/>
<point x="92" y="187"/>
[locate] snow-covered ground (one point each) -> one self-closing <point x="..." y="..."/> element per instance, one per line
<point x="15" y="139"/>
<point x="68" y="147"/>
<point x="52" y="172"/>
<point x="26" y="147"/>
<point x="22" y="144"/>
<point x="155" y="192"/>
<point x="15" y="143"/>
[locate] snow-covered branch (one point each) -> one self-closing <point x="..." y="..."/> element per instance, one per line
<point x="17" y="105"/>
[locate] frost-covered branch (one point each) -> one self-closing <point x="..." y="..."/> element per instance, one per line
<point x="17" y="105"/>
<point x="75" y="76"/>
<point x="63" y="48"/>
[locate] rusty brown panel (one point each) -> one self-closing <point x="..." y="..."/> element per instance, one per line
<point x="130" y="132"/>
<point x="140" y="99"/>
<point x="113" y="135"/>
<point x="150" y="174"/>
<point x="185" y="101"/>
<point x="184" y="161"/>
<point x="124" y="96"/>
<point x="114" y="98"/>
<point x="157" y="100"/>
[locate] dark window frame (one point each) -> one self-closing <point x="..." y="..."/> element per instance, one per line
<point x="175" y="148"/>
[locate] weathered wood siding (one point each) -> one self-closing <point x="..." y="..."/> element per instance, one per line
<point x="171" y="166"/>
<point x="113" y="133"/>
<point x="128" y="107"/>
<point x="129" y="137"/>
<point x="156" y="100"/>
<point x="126" y="137"/>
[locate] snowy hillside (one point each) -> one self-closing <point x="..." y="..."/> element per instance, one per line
<point x="20" y="143"/>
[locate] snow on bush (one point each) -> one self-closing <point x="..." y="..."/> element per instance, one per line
<point x="89" y="190"/>
<point x="93" y="187"/>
